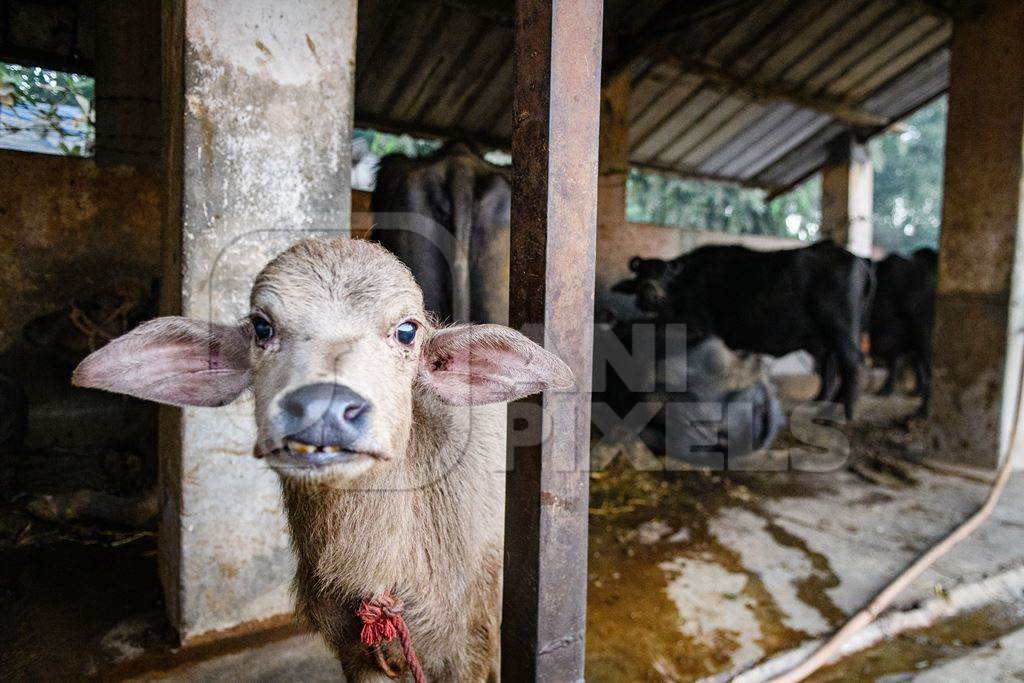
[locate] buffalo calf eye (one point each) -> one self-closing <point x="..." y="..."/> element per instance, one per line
<point x="262" y="328"/>
<point x="405" y="333"/>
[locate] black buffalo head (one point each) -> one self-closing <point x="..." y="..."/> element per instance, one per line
<point x="650" y="284"/>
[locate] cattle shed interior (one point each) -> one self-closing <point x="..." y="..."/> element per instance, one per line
<point x="748" y="92"/>
<point x="150" y="544"/>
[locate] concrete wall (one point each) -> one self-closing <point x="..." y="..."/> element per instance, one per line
<point x="69" y="227"/>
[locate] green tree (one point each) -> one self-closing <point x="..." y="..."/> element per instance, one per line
<point x="908" y="181"/>
<point x="702" y="205"/>
<point x="36" y="101"/>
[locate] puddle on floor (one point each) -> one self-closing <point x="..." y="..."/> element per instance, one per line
<point x="919" y="650"/>
<point x="676" y="594"/>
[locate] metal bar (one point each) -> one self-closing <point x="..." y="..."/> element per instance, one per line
<point x="556" y="110"/>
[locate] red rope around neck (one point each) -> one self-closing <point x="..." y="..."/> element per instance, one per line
<point x="382" y="621"/>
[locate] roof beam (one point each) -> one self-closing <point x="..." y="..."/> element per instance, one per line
<point x="399" y="127"/>
<point x="786" y="92"/>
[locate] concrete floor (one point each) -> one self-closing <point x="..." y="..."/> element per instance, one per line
<point x="692" y="574"/>
<point x="298" y="658"/>
<point x="699" y="574"/>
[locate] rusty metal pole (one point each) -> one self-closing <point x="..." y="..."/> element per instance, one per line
<point x="556" y="108"/>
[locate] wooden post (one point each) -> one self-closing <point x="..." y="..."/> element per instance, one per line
<point x="978" y="318"/>
<point x="847" y="189"/>
<point x="257" y="134"/>
<point x="554" y="197"/>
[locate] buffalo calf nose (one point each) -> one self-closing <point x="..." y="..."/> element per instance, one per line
<point x="324" y="414"/>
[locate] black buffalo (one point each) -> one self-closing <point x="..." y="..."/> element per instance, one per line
<point x="813" y="298"/>
<point x="446" y="216"/>
<point x="903" y="314"/>
<point x="691" y="398"/>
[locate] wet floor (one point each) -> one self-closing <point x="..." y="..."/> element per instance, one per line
<point x="694" y="574"/>
<point x="909" y="654"/>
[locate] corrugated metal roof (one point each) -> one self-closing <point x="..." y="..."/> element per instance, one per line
<point x="751" y="91"/>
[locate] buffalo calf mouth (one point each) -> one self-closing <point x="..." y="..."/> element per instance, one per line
<point x="314" y="455"/>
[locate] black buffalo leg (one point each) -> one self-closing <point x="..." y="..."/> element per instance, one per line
<point x="848" y="357"/>
<point x="891" y="377"/>
<point x="827" y="368"/>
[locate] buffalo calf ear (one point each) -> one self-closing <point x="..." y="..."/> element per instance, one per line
<point x="479" y="364"/>
<point x="172" y="360"/>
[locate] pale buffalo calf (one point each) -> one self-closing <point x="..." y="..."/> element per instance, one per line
<point x="387" y="434"/>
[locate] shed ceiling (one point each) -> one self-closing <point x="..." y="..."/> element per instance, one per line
<point x="747" y="91"/>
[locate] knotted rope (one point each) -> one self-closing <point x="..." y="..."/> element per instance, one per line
<point x="382" y="622"/>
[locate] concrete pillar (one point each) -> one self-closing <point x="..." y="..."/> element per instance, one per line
<point x="127" y="70"/>
<point x="978" y="323"/>
<point x="257" y="129"/>
<point x="847" y="187"/>
<point x="613" y="236"/>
